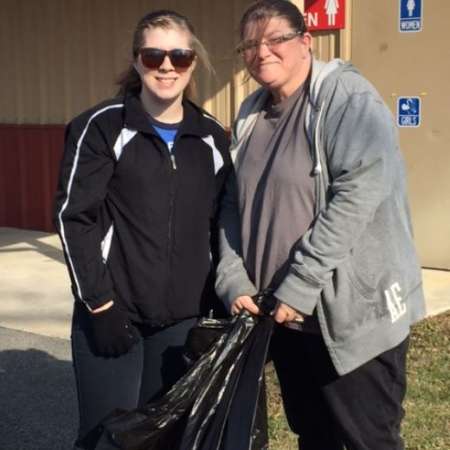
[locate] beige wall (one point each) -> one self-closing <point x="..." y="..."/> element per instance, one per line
<point x="414" y="64"/>
<point x="63" y="56"/>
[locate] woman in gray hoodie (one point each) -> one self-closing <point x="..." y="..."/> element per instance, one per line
<point x="317" y="216"/>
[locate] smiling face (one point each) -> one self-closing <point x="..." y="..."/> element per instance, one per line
<point x="281" y="65"/>
<point x="166" y="83"/>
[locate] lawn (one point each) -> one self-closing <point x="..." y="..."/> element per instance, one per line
<point x="427" y="422"/>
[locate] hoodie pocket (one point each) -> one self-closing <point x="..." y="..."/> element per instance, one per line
<point x="351" y="300"/>
<point x="348" y="305"/>
<point x="365" y="264"/>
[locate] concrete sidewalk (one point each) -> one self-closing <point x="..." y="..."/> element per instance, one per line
<point x="34" y="283"/>
<point x="35" y="287"/>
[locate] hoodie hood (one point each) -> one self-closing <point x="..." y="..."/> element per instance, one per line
<point x="323" y="77"/>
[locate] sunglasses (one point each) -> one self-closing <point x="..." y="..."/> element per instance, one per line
<point x="180" y="58"/>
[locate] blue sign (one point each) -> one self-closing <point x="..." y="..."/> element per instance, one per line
<point x="410" y="16"/>
<point x="408" y="111"/>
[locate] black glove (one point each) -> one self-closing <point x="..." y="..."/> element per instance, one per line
<point x="112" y="332"/>
<point x="266" y="301"/>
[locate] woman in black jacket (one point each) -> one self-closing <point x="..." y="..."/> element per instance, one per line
<point x="139" y="183"/>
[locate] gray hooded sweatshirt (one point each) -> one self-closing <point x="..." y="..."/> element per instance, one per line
<point x="356" y="266"/>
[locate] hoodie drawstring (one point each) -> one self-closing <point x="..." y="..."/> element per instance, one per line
<point x="317" y="143"/>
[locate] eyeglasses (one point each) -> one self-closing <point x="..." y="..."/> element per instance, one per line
<point x="250" y="46"/>
<point x="180" y="58"/>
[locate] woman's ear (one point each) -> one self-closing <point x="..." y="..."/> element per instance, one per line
<point x="308" y="40"/>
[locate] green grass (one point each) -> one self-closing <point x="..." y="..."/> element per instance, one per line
<point x="427" y="422"/>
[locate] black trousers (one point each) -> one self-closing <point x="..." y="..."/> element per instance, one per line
<point x="148" y="370"/>
<point x="361" y="410"/>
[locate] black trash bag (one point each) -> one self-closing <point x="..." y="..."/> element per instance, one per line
<point x="218" y="405"/>
<point x="238" y="418"/>
<point x="248" y="408"/>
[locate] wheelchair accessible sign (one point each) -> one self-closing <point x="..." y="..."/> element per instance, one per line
<point x="410" y="16"/>
<point x="408" y="112"/>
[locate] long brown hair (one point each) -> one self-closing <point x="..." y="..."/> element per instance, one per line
<point x="130" y="81"/>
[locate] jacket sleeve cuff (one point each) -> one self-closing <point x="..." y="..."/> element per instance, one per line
<point x="234" y="286"/>
<point x="92" y="303"/>
<point x="298" y="294"/>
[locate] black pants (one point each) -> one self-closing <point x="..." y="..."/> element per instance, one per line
<point x="361" y="410"/>
<point x="148" y="370"/>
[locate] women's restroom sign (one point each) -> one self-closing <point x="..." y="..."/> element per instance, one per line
<point x="410" y="16"/>
<point x="408" y="112"/>
<point x="324" y="14"/>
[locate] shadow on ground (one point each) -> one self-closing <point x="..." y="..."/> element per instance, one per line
<point x="31" y="241"/>
<point x="37" y="401"/>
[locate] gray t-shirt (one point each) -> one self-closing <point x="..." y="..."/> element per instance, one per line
<point x="276" y="189"/>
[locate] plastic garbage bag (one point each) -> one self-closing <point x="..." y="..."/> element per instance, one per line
<point x="224" y="416"/>
<point x="248" y="407"/>
<point x="218" y="405"/>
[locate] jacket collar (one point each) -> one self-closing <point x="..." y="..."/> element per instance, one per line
<point x="136" y="118"/>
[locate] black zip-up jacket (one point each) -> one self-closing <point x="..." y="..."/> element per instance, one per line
<point x="135" y="222"/>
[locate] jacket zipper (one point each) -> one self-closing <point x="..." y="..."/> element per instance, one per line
<point x="172" y="170"/>
<point x="173" y="161"/>
<point x="171" y="207"/>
